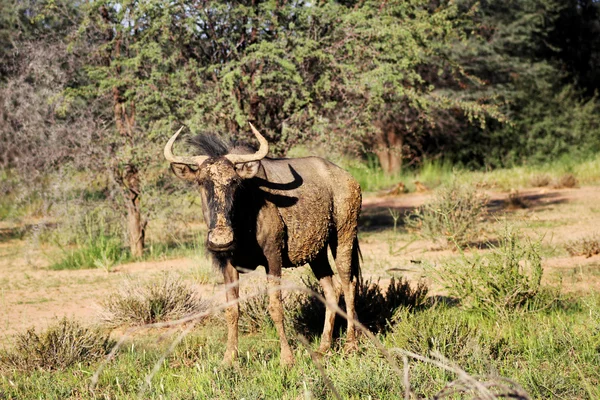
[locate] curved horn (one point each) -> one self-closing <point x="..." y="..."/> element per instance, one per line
<point x="178" y="159"/>
<point x="260" y="153"/>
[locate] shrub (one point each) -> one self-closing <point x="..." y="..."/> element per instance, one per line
<point x="58" y="347"/>
<point x="566" y="181"/>
<point x="540" y="180"/>
<point x="164" y="299"/>
<point x="505" y="279"/>
<point x="453" y="216"/>
<point x="254" y="313"/>
<point x="588" y="246"/>
<point x="375" y="306"/>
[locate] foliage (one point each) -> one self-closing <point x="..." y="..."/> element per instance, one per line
<point x="519" y="49"/>
<point x="60" y="346"/>
<point x="161" y="299"/>
<point x="453" y="216"/>
<point x="503" y="280"/>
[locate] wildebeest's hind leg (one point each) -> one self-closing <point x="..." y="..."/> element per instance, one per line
<point x="231" y="278"/>
<point x="347" y="265"/>
<point x="323" y="272"/>
<point x="276" y="312"/>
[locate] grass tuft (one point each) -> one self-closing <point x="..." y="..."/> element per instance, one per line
<point x="452" y="217"/>
<point x="540" y="180"/>
<point x="163" y="299"/>
<point x="566" y="181"/>
<point x="587" y="246"/>
<point x="504" y="280"/>
<point x="375" y="305"/>
<point x="60" y="346"/>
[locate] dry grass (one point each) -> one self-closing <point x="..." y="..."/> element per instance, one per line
<point x="566" y="181"/>
<point x="60" y="346"/>
<point x="540" y="180"/>
<point x="375" y="305"/>
<point x="453" y="217"/>
<point x="162" y="300"/>
<point x="587" y="246"/>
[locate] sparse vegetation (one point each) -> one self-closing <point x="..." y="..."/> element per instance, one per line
<point x="453" y="217"/>
<point x="540" y="180"/>
<point x="503" y="280"/>
<point x="586" y="246"/>
<point x="376" y="305"/>
<point x="60" y="346"/>
<point x="566" y="181"/>
<point x="163" y="299"/>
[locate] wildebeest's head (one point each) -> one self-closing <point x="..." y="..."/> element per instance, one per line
<point x="218" y="174"/>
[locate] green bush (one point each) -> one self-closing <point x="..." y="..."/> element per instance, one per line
<point x="453" y="217"/>
<point x="166" y="298"/>
<point x="58" y="347"/>
<point x="504" y="279"/>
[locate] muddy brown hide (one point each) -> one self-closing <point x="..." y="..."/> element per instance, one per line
<point x="282" y="213"/>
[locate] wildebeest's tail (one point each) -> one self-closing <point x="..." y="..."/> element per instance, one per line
<point x="355" y="271"/>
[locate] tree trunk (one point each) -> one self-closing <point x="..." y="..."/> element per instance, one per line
<point x="388" y="149"/>
<point x="136" y="227"/>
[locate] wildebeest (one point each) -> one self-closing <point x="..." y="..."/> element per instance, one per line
<point x="278" y="213"/>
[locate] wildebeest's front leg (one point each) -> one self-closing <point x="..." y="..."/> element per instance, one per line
<point x="276" y="309"/>
<point x="271" y="238"/>
<point x="231" y="276"/>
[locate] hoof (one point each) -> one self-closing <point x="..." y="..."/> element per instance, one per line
<point x="324" y="348"/>
<point x="287" y="359"/>
<point x="229" y="359"/>
<point x="351" y="347"/>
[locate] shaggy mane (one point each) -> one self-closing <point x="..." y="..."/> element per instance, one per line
<point x="211" y="145"/>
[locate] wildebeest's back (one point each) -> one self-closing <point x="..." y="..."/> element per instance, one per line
<point x="306" y="191"/>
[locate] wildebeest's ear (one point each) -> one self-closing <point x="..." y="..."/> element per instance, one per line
<point x="184" y="171"/>
<point x="247" y="170"/>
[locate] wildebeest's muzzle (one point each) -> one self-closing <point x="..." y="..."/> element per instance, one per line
<point x="220" y="239"/>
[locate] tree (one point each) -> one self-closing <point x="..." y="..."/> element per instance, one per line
<point x="397" y="79"/>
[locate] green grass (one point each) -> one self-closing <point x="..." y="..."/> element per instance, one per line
<point x="373" y="179"/>
<point x="551" y="354"/>
<point x="433" y="173"/>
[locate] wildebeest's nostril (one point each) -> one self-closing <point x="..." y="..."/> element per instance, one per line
<point x="220" y="238"/>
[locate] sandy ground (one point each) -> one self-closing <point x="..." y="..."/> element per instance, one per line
<point x="32" y="295"/>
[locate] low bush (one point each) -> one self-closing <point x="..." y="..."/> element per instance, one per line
<point x="540" y="180"/>
<point x="163" y="299"/>
<point x="60" y="346"/>
<point x="375" y="305"/>
<point x="452" y="217"/>
<point x="566" y="181"/>
<point x="587" y="246"/>
<point x="500" y="281"/>
<point x="254" y="313"/>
